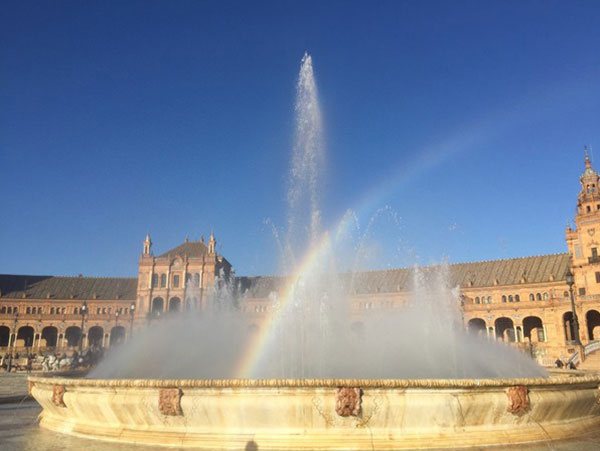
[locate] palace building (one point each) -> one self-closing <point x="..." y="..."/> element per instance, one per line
<point x="525" y="301"/>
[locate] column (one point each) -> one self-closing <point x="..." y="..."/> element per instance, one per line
<point x="545" y="334"/>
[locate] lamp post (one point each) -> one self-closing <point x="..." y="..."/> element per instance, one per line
<point x="131" y="313"/>
<point x="84" y="309"/>
<point x="571" y="282"/>
<point x="14" y="343"/>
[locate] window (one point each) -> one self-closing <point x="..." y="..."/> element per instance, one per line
<point x="76" y="310"/>
<point x="588" y="209"/>
<point x="517" y="298"/>
<point x="28" y="310"/>
<point x="510" y="298"/>
<point x="98" y="310"/>
<point x="595" y="253"/>
<point x="188" y="279"/>
<point x="3" y="309"/>
<point x="538" y="297"/>
<point x="176" y="281"/>
<point x="503" y="298"/>
<point x="489" y="300"/>
<point x="154" y="280"/>
<point x="597" y="277"/>
<point x="52" y="310"/>
<point x="477" y="300"/>
<point x="545" y="296"/>
<point x="163" y="280"/>
<point x="197" y="280"/>
<point x="577" y="251"/>
<point x="531" y="297"/>
<point x="582" y="292"/>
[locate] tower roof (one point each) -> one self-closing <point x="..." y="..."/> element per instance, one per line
<point x="589" y="171"/>
<point x="188" y="249"/>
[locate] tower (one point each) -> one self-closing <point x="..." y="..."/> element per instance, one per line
<point x="582" y="240"/>
<point x="588" y="200"/>
<point x="211" y="244"/>
<point x="147" y="245"/>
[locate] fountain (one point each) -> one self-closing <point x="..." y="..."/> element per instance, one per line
<point x="313" y="377"/>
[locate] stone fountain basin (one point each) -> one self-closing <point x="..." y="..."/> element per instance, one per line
<point x="324" y="414"/>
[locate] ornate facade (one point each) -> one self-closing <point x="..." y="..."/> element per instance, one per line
<point x="525" y="301"/>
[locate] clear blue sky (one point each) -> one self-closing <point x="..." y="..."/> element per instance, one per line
<point x="467" y="118"/>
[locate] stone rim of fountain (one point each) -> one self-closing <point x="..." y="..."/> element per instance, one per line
<point x="285" y="383"/>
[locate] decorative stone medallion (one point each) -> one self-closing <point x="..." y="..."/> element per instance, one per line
<point x="348" y="401"/>
<point x="518" y="399"/>
<point x="58" y="393"/>
<point x="169" y="401"/>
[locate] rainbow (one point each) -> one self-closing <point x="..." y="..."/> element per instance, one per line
<point x="426" y="159"/>
<point x="264" y="338"/>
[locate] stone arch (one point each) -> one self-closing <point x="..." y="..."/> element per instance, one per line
<point x="73" y="336"/>
<point x="505" y="329"/>
<point x="4" y="336"/>
<point x="95" y="336"/>
<point x="26" y="333"/>
<point x="50" y="334"/>
<point x="569" y="326"/>
<point x="477" y="326"/>
<point x="158" y="306"/>
<point x="117" y="336"/>
<point x="592" y="319"/>
<point x="533" y="328"/>
<point x="174" y="305"/>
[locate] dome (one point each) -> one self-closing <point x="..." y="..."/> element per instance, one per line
<point x="589" y="172"/>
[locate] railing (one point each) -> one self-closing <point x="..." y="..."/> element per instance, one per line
<point x="595" y="259"/>
<point x="587" y="349"/>
<point x="589" y="297"/>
